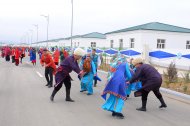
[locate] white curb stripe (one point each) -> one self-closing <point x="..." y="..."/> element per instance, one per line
<point x="175" y="93"/>
<point x="39" y="74"/>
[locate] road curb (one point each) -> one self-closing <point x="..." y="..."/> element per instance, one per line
<point x="168" y="91"/>
<point x="178" y="94"/>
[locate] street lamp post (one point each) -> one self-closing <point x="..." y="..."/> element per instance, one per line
<point x="27" y="38"/>
<point x="31" y="36"/>
<point x="36" y="32"/>
<point x="47" y="18"/>
<point x="72" y="26"/>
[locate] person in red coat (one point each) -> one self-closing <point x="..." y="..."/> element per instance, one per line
<point x="50" y="67"/>
<point x="17" y="55"/>
<point x="13" y="55"/>
<point x="56" y="57"/>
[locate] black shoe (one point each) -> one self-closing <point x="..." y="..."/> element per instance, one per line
<point x="51" y="98"/>
<point x="89" y="94"/>
<point x="141" y="109"/>
<point x="163" y="106"/>
<point x="127" y="95"/>
<point x="82" y="90"/>
<point x="49" y="86"/>
<point x="94" y="85"/>
<point x="113" y="113"/>
<point x="52" y="95"/>
<point x="69" y="100"/>
<point x="120" y="115"/>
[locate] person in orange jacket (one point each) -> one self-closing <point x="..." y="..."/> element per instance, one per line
<point x="56" y="57"/>
<point x="50" y="67"/>
<point x="13" y="55"/>
<point x="17" y="55"/>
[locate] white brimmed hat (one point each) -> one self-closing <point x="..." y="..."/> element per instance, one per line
<point x="79" y="52"/>
<point x="137" y="61"/>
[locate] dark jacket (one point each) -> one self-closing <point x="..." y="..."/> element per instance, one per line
<point x="149" y="76"/>
<point x="66" y="67"/>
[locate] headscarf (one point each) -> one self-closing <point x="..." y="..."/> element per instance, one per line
<point x="114" y="65"/>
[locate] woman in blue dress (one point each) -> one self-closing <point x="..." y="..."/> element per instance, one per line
<point x="89" y="67"/>
<point x="116" y="86"/>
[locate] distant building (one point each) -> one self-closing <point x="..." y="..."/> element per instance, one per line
<point x="156" y="42"/>
<point x="156" y="35"/>
<point x="93" y="39"/>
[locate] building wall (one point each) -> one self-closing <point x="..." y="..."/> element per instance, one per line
<point x="146" y="41"/>
<point x="126" y="36"/>
<point x="82" y="42"/>
<point x="173" y="40"/>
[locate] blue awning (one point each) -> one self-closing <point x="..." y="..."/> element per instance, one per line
<point x="111" y="51"/>
<point x="161" y="54"/>
<point x="88" y="50"/>
<point x="97" y="50"/>
<point x="186" y="56"/>
<point x="130" y="52"/>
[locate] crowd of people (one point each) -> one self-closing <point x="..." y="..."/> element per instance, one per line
<point x="123" y="76"/>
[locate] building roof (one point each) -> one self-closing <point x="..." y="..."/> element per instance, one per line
<point x="89" y="35"/>
<point x="76" y="36"/>
<point x="155" y="26"/>
<point x="94" y="35"/>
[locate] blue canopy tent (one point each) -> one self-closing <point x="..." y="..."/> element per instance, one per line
<point x="97" y="50"/>
<point x="161" y="54"/>
<point x="111" y="51"/>
<point x="130" y="52"/>
<point x="186" y="56"/>
<point x="88" y="50"/>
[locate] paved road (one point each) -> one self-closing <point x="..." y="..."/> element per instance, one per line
<point x="24" y="101"/>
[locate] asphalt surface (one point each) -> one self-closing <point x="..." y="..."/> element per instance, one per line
<point x="24" y="101"/>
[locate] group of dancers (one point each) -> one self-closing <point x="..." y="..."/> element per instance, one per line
<point x="123" y="77"/>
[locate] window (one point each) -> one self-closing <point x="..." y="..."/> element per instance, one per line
<point x="132" y="43"/>
<point x="120" y="44"/>
<point x="160" y="43"/>
<point x="111" y="43"/>
<point x="188" y="45"/>
<point x="93" y="44"/>
<point x="75" y="44"/>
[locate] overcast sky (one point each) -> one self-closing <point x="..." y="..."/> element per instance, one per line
<point x="17" y="17"/>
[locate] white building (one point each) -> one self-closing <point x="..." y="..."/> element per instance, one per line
<point x="152" y="37"/>
<point x="93" y="39"/>
<point x="158" y="43"/>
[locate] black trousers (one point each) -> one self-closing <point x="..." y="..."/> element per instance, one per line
<point x="67" y="83"/>
<point x="95" y="81"/>
<point x="145" y="94"/>
<point x="13" y="59"/>
<point x="49" y="75"/>
<point x="7" y="58"/>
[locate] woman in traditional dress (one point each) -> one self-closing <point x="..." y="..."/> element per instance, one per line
<point x="89" y="68"/>
<point x="116" y="86"/>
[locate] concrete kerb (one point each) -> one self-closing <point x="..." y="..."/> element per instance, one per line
<point x="178" y="94"/>
<point x="168" y="91"/>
